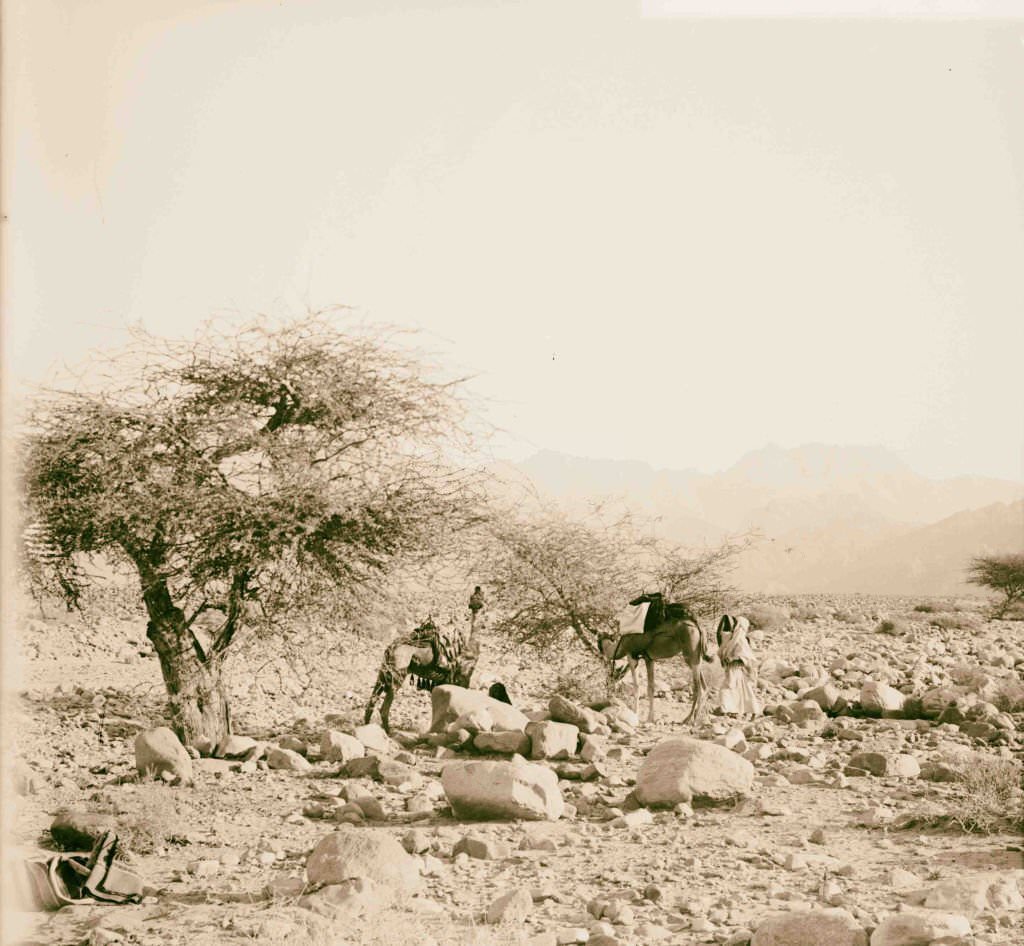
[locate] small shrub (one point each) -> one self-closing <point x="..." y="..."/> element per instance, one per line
<point x="894" y="627"/>
<point x="955" y="621"/>
<point x="924" y="608"/>
<point x="805" y="612"/>
<point x="990" y="793"/>
<point x="148" y="819"/>
<point x="1010" y="696"/>
<point x="764" y="617"/>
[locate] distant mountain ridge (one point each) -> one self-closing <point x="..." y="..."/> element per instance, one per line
<point x="833" y="518"/>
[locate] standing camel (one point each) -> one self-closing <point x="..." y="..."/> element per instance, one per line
<point x="669" y="630"/>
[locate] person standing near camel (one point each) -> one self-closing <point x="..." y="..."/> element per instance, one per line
<point x="738" y="696"/>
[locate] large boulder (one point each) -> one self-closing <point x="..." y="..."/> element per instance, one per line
<point x="502" y="790"/>
<point x="353" y="853"/>
<point x="682" y="769"/>
<point x="835" y="926"/>
<point x="449" y="702"/>
<point x="922" y="928"/>
<point x="158" y="751"/>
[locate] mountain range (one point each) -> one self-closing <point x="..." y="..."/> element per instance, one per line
<point x="829" y="518"/>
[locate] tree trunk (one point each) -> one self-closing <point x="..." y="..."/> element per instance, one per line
<point x="199" y="706"/>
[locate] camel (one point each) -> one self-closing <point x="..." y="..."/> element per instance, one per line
<point x="669" y="630"/>
<point x="431" y="657"/>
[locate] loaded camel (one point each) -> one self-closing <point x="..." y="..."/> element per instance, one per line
<point x="669" y="630"/>
<point x="430" y="656"/>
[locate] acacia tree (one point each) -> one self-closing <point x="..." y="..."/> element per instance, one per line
<point x="247" y="475"/>
<point x="1000" y="573"/>
<point x="550" y="574"/>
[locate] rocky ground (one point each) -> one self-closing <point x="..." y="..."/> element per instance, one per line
<point x="851" y="825"/>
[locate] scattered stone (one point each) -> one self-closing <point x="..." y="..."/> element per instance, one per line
<point x="972" y="895"/>
<point x="877" y="699"/>
<point x="511" y="907"/>
<point x="551" y="740"/>
<point x="235" y="747"/>
<point x="287" y="760"/>
<point x="583" y="718"/>
<point x="922" y="928"/>
<point x="158" y="750"/>
<point x="483" y="849"/>
<point x="340" y="747"/>
<point x="373" y="737"/>
<point x="506" y="743"/>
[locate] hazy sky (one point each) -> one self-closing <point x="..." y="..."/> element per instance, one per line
<point x="667" y="240"/>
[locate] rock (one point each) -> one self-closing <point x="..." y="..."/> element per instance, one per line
<point x="363" y="853"/>
<point x="482" y="849"/>
<point x="922" y="928"/>
<point x="75" y="830"/>
<point x="874" y="762"/>
<point x="805" y="713"/>
<point x="158" y="750"/>
<point x="826" y="696"/>
<point x="511" y="907"/>
<point x="340" y="747"/>
<point x="516" y="789"/>
<point x="834" y="926"/>
<point x="550" y="740"/>
<point x="449" y="702"/>
<point x="972" y="895"/>
<point x="906" y="766"/>
<point x="287" y="760"/>
<point x="397" y="773"/>
<point x="364" y="766"/>
<point x="876" y="699"/>
<point x="293" y="744"/>
<point x="373" y="737"/>
<point x="235" y="747"/>
<point x="357" y="897"/>
<point x="565" y="711"/>
<point x="475" y="721"/>
<point x="682" y="769"/>
<point x="506" y="743"/>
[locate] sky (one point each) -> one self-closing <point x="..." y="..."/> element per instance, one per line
<point x="664" y="239"/>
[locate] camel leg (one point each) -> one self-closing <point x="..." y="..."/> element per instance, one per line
<point x="636" y="686"/>
<point x="378" y="688"/>
<point x="650" y="688"/>
<point x="700" y="688"/>
<point x="385" y="709"/>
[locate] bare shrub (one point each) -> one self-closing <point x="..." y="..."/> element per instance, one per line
<point x="894" y="627"/>
<point x="990" y="793"/>
<point x="924" y="608"/>
<point x="1009" y="696"/>
<point x="765" y="617"/>
<point x="955" y="621"/>
<point x="148" y="819"/>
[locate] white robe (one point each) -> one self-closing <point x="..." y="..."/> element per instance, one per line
<point x="738" y="695"/>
